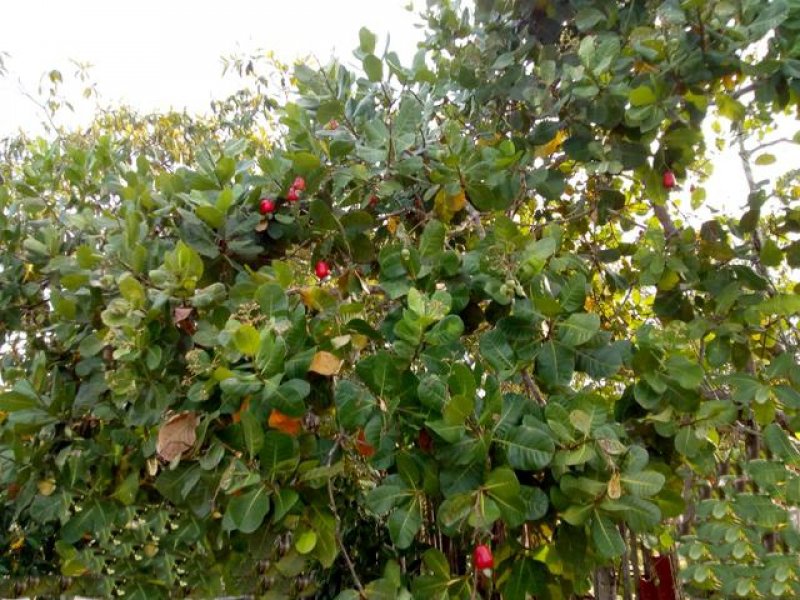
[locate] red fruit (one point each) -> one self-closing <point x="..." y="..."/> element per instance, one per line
<point x="373" y="201"/>
<point x="483" y="557"/>
<point x="322" y="270"/>
<point x="363" y="447"/>
<point x="267" y="206"/>
<point x="299" y="184"/>
<point x="292" y="195"/>
<point x="668" y="179"/>
<point x="332" y="124"/>
<point x="425" y="441"/>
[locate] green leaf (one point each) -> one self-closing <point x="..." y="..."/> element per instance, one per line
<point x="354" y="404"/>
<point x="528" y="448"/>
<point x="555" y="364"/>
<point x="373" y="67"/>
<point x="367" y="40"/>
<point x="765" y="159"/>
<point x="305" y="162"/>
<point x="325" y="526"/>
<point x="272" y="299"/>
<point x="289" y="397"/>
<point x="780" y="445"/>
<point x="497" y="352"/>
<point x="305" y="542"/>
<point x="579" y="328"/>
<point x="404" y="523"/>
<point x="606" y="537"/>
<point x="132" y="290"/>
<point x="431" y="242"/>
<point x="588" y="18"/>
<point x="322" y="216"/>
<point x="641" y="96"/>
<point x="95" y="519"/>
<point x="277" y="449"/>
<point x="603" y="362"/>
<point x="253" y="433"/>
<point x="771" y="254"/>
<point x="527" y="579"/>
<point x="485" y="198"/>
<point x="246" y="339"/>
<point x="642" y="483"/>
<point x="16" y="401"/>
<point x="383" y="498"/>
<point x="503" y="487"/>
<point x="781" y="304"/>
<point x="455" y="510"/>
<point x="689" y="374"/>
<point x="283" y="502"/>
<point x="379" y="371"/>
<point x="247" y="512"/>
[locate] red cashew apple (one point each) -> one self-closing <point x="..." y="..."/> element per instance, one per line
<point x="322" y="269"/>
<point x="483" y="557"/>
<point x="266" y="206"/>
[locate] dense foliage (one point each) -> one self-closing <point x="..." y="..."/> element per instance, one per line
<point x="529" y="339"/>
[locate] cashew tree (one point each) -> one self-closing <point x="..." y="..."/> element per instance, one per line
<point x="471" y="326"/>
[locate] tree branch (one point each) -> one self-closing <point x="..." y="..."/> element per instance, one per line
<point x="532" y="388"/>
<point x="337" y="533"/>
<point x="666" y="221"/>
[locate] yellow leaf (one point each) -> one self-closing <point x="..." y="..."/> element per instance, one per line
<point x="614" y="487"/>
<point x="489" y="141"/>
<point x="391" y="224"/>
<point x="553" y="145"/>
<point x="446" y="206"/>
<point x="46" y="487"/>
<point x="325" y="363"/>
<point x="359" y="341"/>
<point x="18" y="543"/>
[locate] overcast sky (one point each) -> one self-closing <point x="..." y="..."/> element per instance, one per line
<point x="155" y="55"/>
<point x="160" y="54"/>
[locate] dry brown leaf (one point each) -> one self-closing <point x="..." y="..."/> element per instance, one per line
<point x="177" y="435"/>
<point x="262" y="225"/>
<point x="325" y="363"/>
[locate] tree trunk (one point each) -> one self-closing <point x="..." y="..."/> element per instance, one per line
<point x="604" y="584"/>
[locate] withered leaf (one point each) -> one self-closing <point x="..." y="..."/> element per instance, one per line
<point x="181" y="313"/>
<point x="325" y="363"/>
<point x="177" y="435"/>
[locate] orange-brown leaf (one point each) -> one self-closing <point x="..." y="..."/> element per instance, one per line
<point x="325" y="363"/>
<point x="284" y="423"/>
<point x="237" y="416"/>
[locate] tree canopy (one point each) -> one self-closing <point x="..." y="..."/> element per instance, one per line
<point x="529" y="338"/>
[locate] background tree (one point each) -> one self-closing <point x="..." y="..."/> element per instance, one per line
<point x="477" y="342"/>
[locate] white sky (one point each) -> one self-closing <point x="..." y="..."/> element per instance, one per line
<point x="160" y="54"/>
<point x="155" y="55"/>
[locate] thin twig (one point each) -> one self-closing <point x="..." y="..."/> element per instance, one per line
<point x="532" y="388"/>
<point x="338" y="533"/>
